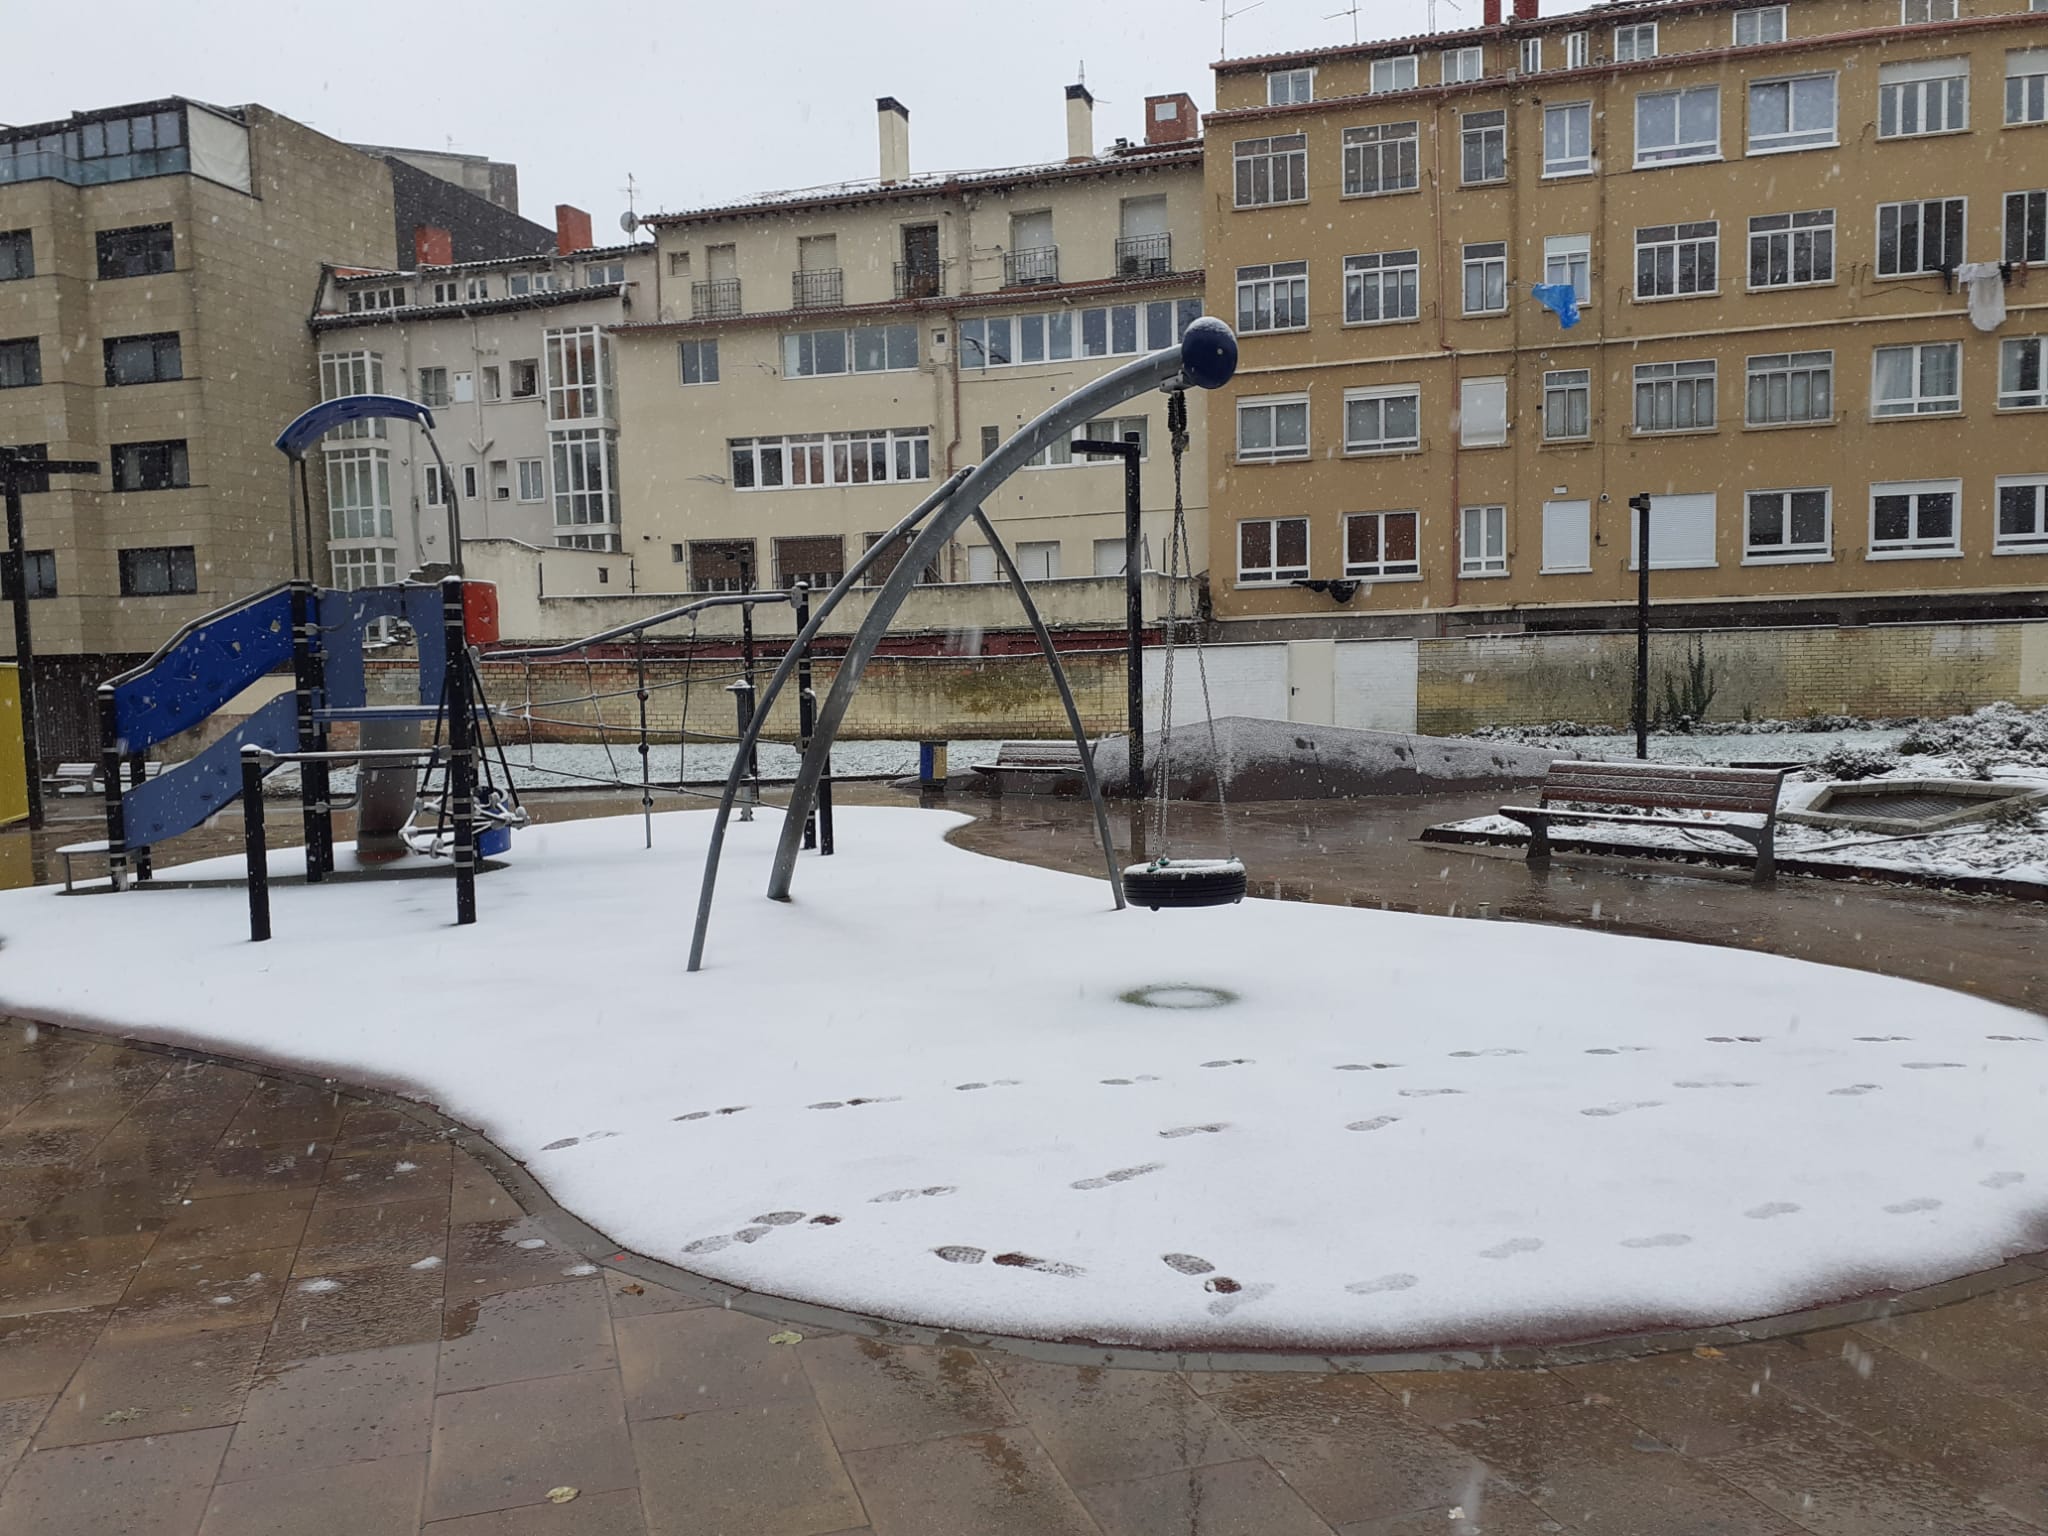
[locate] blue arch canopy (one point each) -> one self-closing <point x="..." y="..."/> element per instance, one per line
<point x="308" y="428"/>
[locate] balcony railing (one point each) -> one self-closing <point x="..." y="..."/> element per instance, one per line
<point x="1027" y="269"/>
<point x="1144" y="255"/>
<point x="822" y="289"/>
<point x="920" y="279"/>
<point x="715" y="299"/>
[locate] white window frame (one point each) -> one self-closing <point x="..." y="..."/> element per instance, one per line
<point x="533" y="480"/>
<point x="1677" y="243"/>
<point x="802" y="351"/>
<point x="1275" y="452"/>
<point x="1374" y="146"/>
<point x="435" y="493"/>
<point x="2033" y="541"/>
<point x="1491" y="260"/>
<point x="1532" y="56"/>
<point x="1574" y="114"/>
<point x="1916" y="546"/>
<point x="1275" y="294"/>
<point x="1677" y="389"/>
<point x="580" y="383"/>
<point x="1795" y="137"/>
<point x="2012" y="363"/>
<point x="1578" y="49"/>
<point x="1913" y="406"/>
<point x="1759" y="18"/>
<point x="2026" y="86"/>
<point x="1112" y="429"/>
<point x="358" y="495"/>
<point x="1461" y="65"/>
<point x="1566" y="388"/>
<point x="1681" y="150"/>
<point x="1286" y="87"/>
<point x="586" y="481"/>
<point x="700" y="351"/>
<point x="1892" y="211"/>
<point x="1917" y="12"/>
<point x="1787" y="369"/>
<point x="2025" y="236"/>
<point x="1377" y="272"/>
<point x="1936" y="91"/>
<point x="1630" y="37"/>
<point x="806" y="461"/>
<point x="469" y="482"/>
<point x="1377" y="400"/>
<point x="1390" y="75"/>
<point x="1490" y="558"/>
<point x="1381" y="568"/>
<point x="1471" y="391"/>
<point x="352" y="373"/>
<point x="1569" y="259"/>
<point x="1489" y="132"/>
<point x="1788" y="551"/>
<point x="1273" y="573"/>
<point x="1787" y="231"/>
<point x="1283" y="158"/>
<point x="434" y="389"/>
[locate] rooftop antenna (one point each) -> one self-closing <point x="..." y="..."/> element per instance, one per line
<point x="1453" y="4"/>
<point x="629" y="221"/>
<point x="1224" y="15"/>
<point x="1352" y="11"/>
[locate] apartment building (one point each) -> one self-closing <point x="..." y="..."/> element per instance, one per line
<point x="818" y="360"/>
<point x="514" y="358"/>
<point x="1803" y="242"/>
<point x="156" y="262"/>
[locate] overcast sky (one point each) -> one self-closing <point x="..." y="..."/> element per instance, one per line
<point x="699" y="101"/>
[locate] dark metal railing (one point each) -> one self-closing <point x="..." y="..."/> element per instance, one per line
<point x="824" y="289"/>
<point x="1144" y="255"/>
<point x="1025" y="269"/>
<point x="715" y="299"/>
<point x="919" y="279"/>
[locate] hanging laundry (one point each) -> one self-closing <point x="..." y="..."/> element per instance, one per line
<point x="1984" y="282"/>
<point x="1561" y="299"/>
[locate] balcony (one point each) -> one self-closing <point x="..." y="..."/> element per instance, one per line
<point x="920" y="279"/>
<point x="1029" y="269"/>
<point x="717" y="299"/>
<point x="822" y="289"/>
<point x="1144" y="255"/>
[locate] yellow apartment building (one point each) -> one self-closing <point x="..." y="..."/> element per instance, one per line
<point x="819" y="360"/>
<point x="1805" y="242"/>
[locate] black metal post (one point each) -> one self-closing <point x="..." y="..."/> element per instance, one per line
<point x="807" y="701"/>
<point x="747" y="669"/>
<point x="461" y="747"/>
<point x="646" y="793"/>
<point x="1134" y="599"/>
<point x="253" y="842"/>
<point x="138" y="775"/>
<point x="110" y="788"/>
<point x="1640" y="505"/>
<point x="314" y="801"/>
<point x="16" y="471"/>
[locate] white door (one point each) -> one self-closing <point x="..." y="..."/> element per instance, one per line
<point x="1040" y="561"/>
<point x="1143" y="216"/>
<point x="981" y="563"/>
<point x="1312" y="681"/>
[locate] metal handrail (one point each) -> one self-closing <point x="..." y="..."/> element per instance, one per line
<point x="639" y="626"/>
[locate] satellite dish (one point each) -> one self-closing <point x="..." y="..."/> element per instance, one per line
<point x="629" y="221"/>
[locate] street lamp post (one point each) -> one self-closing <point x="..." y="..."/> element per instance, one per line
<point x="20" y="473"/>
<point x="1640" y="505"/>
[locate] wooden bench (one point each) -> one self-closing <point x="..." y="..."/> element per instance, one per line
<point x="1742" y="802"/>
<point x="1038" y="760"/>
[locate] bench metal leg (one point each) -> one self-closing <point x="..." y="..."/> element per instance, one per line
<point x="1539" y="842"/>
<point x="1766" y="858"/>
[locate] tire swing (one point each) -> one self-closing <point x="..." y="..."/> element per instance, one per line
<point x="1166" y="881"/>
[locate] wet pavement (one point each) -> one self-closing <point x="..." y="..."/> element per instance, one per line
<point x="237" y="1304"/>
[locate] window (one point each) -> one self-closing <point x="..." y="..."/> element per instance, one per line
<point x="604" y="274"/>
<point x="1382" y="286"/>
<point x="1791" y="250"/>
<point x="1482" y="412"/>
<point x="522" y="283"/>
<point x="1483" y="541"/>
<point x="39" y="565"/>
<point x="1003" y="341"/>
<point x="1578" y="49"/>
<point x="1635" y="40"/>
<point x="1915" y="517"/>
<point x="2022" y="518"/>
<point x="699" y="360"/>
<point x="358" y="493"/>
<point x="17" y="254"/>
<point x="1398" y="74"/>
<point x="501" y="480"/>
<point x="434" y="386"/>
<point x="491" y="380"/>
<point x="1567" y="537"/>
<point x="469" y="482"/>
<point x="1483" y="138"/>
<point x="1919" y="237"/>
<point x="525" y="378"/>
<point x="163" y="572"/>
<point x="1924" y="380"/>
<point x="1567" y="405"/>
<point x="1462" y="64"/>
<point x="1675" y="397"/>
<point x="679" y="265"/>
<point x="375" y="298"/>
<point x="1272" y="428"/>
<point x="1110" y="556"/>
<point x="2026" y="227"/>
<point x="437" y="489"/>
<point x="1764" y="24"/>
<point x="1798" y="113"/>
<point x="817" y="560"/>
<point x="476" y="288"/>
<point x="2020" y="382"/>
<point x="1677" y="126"/>
<point x="1285" y="87"/>
<point x="2026" y="101"/>
<point x="151" y="466"/>
<point x="864" y="349"/>
<point x="1117" y="429"/>
<point x="1272" y="170"/>
<point x="21" y="363"/>
<point x="1791" y="389"/>
<point x="722" y="565"/>
<point x="1381" y="158"/>
<point x="586" y="478"/>
<point x="1486" y="278"/>
<point x="876" y="456"/>
<point x="1681" y="534"/>
<point x="1038" y="560"/>
<point x="1568" y="260"/>
<point x="579" y="377"/>
<point x="533" y="482"/>
<point x="1381" y="544"/>
<point x="1922" y="96"/>
<point x="1384" y="420"/>
<point x="1911" y="11"/>
<point x="447" y="293"/>
<point x="1273" y="298"/>
<point x="1788" y="525"/>
<point x="1676" y="261"/>
<point x="891" y="557"/>
<point x="1272" y="549"/>
<point x="352" y="373"/>
<point x="1532" y="55"/>
<point x="1568" y="139"/>
<point x="360" y="566"/>
<point x="143" y="251"/>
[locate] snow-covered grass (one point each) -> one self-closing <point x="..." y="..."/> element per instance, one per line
<point x="962" y="1091"/>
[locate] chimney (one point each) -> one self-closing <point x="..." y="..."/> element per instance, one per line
<point x="1525" y="10"/>
<point x="1172" y="119"/>
<point x="432" y="247"/>
<point x="572" y="230"/>
<point x="1492" y="12"/>
<point x="894" y="118"/>
<point x="1080" y="123"/>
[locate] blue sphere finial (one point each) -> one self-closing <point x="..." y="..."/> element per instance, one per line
<point x="1208" y="353"/>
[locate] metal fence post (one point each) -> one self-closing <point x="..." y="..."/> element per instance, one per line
<point x="253" y="843"/>
<point x="461" y="747"/>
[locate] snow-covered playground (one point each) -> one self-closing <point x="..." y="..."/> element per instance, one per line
<point x="953" y="1090"/>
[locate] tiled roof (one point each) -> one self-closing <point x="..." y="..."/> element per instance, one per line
<point x="505" y="306"/>
<point x="1465" y="36"/>
<point x="497" y="263"/>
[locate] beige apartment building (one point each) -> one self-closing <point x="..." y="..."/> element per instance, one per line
<point x="819" y="360"/>
<point x="156" y="265"/>
<point x="1806" y="244"/>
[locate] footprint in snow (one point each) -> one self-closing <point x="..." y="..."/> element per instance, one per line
<point x="1429" y="1093"/>
<point x="954" y="1253"/>
<point x="1855" y="1090"/>
<point x="566" y="1141"/>
<point x="706" y="1114"/>
<point x="1366" y="1066"/>
<point x="1511" y="1247"/>
<point x="780" y="1219"/>
<point x="1498" y="1050"/>
<point x="1616" y="1050"/>
<point x="2003" y="1180"/>
<point x="1377" y="1123"/>
<point x="1194" y="1130"/>
<point x="1881" y="1039"/>
<point x="1928" y="1066"/>
<point x="1116" y="1176"/>
<point x="2017" y="1039"/>
<point x="1043" y="1266"/>
<point x="1125" y="1082"/>
<point x="891" y="1196"/>
<point x="1909" y="1207"/>
<point x="1233" y="1061"/>
<point x="1000" y="1082"/>
<point x="1714" y="1083"/>
<point x="1661" y="1240"/>
<point x="1602" y="1111"/>
<point x="1382" y="1283"/>
<point x="894" y="1098"/>
<point x="1230" y="1295"/>
<point x="1769" y="1209"/>
<point x="1736" y="1039"/>
<point x="709" y="1244"/>
<point x="1186" y="1263"/>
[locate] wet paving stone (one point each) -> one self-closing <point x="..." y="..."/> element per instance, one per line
<point x="771" y="1469"/>
<point x="369" y="1498"/>
<point x="543" y="1330"/>
<point x="1110" y="1426"/>
<point x="158" y="1483"/>
<point x="504" y="1446"/>
<point x="999" y="1483"/>
<point x="155" y="1386"/>
<point x="333" y="1410"/>
<point x="876" y="1394"/>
